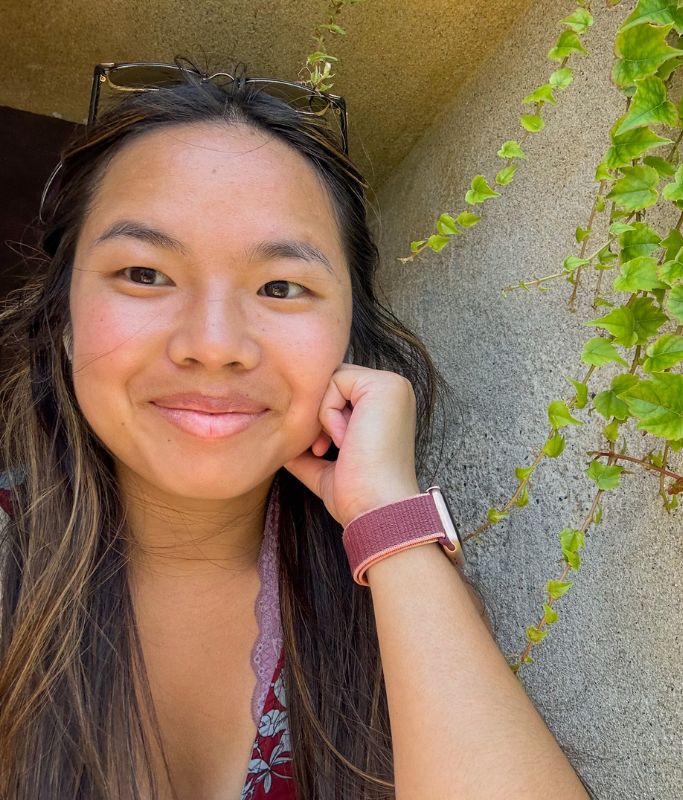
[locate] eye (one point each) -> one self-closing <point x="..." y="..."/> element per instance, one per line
<point x="145" y="274"/>
<point x="280" y="289"/>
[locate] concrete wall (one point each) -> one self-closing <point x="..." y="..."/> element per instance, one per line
<point x="608" y="678"/>
<point x="397" y="64"/>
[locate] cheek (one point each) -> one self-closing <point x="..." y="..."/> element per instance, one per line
<point x="102" y="353"/>
<point x="309" y="358"/>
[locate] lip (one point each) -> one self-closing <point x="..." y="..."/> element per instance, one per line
<point x="209" y="425"/>
<point x="211" y="404"/>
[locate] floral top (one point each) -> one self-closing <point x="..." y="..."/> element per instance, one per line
<point x="269" y="774"/>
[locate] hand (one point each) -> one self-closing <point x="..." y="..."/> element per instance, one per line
<point x="369" y="414"/>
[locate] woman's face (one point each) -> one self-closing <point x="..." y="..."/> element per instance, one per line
<point x="210" y="263"/>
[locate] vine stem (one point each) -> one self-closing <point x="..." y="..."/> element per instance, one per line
<point x="588" y="521"/>
<point x="571" y="303"/>
<point x="663" y="471"/>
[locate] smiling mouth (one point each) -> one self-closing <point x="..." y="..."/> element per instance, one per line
<point x="208" y="425"/>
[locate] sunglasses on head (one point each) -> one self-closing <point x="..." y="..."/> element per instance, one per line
<point x="140" y="76"/>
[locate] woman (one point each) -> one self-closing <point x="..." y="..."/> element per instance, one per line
<point x="205" y="395"/>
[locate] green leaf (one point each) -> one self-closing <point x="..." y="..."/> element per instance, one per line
<point x="658" y="12"/>
<point x="599" y="203"/>
<point x="606" y="476"/>
<point x="671" y="272"/>
<point x="532" y="122"/>
<point x="647" y="319"/>
<point x="320" y="56"/>
<point x="609" y="402"/>
<point x="638" y="275"/>
<point x="602" y="173"/>
<point x="561" y="78"/>
<point x="416" y="246"/>
<point x="572" y="262"/>
<point x="674" y="302"/>
<point x="550" y="615"/>
<point x="674" y="191"/>
<point x="664" y="72"/>
<point x="567" y="43"/>
<point x="511" y="149"/>
<point x="620" y="324"/>
<point x="663" y="167"/>
<point x="579" y="20"/>
<point x="480" y="191"/>
<point x="333" y="28"/>
<point x="597" y="517"/>
<point x="542" y="94"/>
<point x="523" y="498"/>
<point x="559" y="415"/>
<point x="535" y="635"/>
<point x="664" y="353"/>
<point x="673" y="243"/>
<point x="649" y="106"/>
<point x="505" y="175"/>
<point x="658" y="404"/>
<point x="600" y="301"/>
<point x="611" y="431"/>
<point x="640" y="51"/>
<point x="522" y="473"/>
<point x="627" y="146"/>
<point x="581" y="392"/>
<point x="466" y="219"/>
<point x="572" y="539"/>
<point x="554" y="446"/>
<point x="637" y="189"/>
<point x="605" y="257"/>
<point x="599" y="351"/>
<point x="437" y="243"/>
<point x="446" y="225"/>
<point x="620" y="227"/>
<point x="617" y="228"/>
<point x="641" y="241"/>
<point x="610" y="405"/>
<point x="581" y="234"/>
<point x="493" y="515"/>
<point x="557" y="588"/>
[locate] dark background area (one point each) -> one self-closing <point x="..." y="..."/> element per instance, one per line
<point x="29" y="150"/>
<point x="30" y="145"/>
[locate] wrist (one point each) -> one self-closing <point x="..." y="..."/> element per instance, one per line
<point x="400" y="525"/>
<point x="381" y="500"/>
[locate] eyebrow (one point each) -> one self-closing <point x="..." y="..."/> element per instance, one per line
<point x="264" y="250"/>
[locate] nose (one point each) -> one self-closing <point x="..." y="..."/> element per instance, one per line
<point x="215" y="331"/>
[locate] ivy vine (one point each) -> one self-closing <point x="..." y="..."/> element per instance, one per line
<point x="641" y="335"/>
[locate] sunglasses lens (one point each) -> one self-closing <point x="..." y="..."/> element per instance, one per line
<point x="142" y="76"/>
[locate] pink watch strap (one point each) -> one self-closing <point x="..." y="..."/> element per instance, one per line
<point x="389" y="529"/>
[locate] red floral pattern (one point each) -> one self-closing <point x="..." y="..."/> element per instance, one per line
<point x="269" y="776"/>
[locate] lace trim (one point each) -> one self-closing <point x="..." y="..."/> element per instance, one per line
<point x="268" y="645"/>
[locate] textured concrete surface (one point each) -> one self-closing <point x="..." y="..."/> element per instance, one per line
<point x="398" y="64"/>
<point x="608" y="679"/>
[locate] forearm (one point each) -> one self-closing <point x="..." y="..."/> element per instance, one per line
<point x="462" y="726"/>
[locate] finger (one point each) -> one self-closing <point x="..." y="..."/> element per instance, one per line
<point x="331" y="414"/>
<point x="310" y="470"/>
<point x="321" y="445"/>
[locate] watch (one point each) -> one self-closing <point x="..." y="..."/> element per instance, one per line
<point x="407" y="523"/>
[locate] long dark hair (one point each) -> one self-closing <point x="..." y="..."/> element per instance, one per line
<point x="70" y="720"/>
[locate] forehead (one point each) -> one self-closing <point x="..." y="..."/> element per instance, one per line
<point x="216" y="180"/>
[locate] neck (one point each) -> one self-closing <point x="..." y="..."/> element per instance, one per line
<point x="194" y="538"/>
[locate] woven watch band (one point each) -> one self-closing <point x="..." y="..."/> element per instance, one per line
<point x="389" y="529"/>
